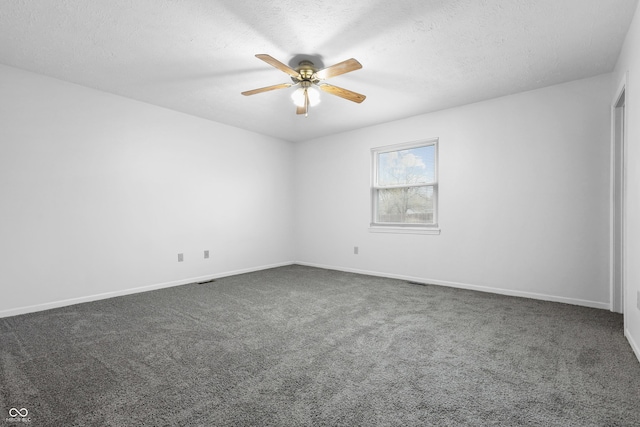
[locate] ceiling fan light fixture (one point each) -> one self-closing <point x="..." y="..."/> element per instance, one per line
<point x="298" y="96"/>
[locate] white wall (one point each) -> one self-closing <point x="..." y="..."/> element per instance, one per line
<point x="629" y="64"/>
<point x="100" y="193"/>
<point x="524" y="197"/>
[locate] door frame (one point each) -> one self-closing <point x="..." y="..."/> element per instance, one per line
<point x="618" y="142"/>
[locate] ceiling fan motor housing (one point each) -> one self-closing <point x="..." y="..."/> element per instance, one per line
<point x="306" y="70"/>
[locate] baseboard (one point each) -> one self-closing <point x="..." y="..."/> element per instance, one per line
<point x="633" y="344"/>
<point x="106" y="295"/>
<point x="500" y="291"/>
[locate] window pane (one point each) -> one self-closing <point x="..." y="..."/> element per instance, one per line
<point x="411" y="205"/>
<point x="412" y="166"/>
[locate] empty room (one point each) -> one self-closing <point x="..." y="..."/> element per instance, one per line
<point x="331" y="213"/>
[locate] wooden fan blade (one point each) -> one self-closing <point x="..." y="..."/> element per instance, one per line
<point x="342" y="93"/>
<point x="266" y="89"/>
<point x="339" y="68"/>
<point x="277" y="64"/>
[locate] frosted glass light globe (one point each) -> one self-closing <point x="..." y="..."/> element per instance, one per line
<point x="298" y="96"/>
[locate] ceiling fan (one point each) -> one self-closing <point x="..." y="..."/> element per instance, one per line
<point x="306" y="76"/>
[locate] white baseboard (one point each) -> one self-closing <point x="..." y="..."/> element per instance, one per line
<point x="509" y="292"/>
<point x="106" y="295"/>
<point x="633" y="344"/>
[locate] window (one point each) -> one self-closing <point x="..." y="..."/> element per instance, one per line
<point x="404" y="188"/>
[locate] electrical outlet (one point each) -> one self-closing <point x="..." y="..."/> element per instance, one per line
<point x="206" y="254"/>
<point x="355" y="250"/>
<point x="180" y="257"/>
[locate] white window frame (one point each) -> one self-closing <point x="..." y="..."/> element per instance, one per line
<point x="401" y="228"/>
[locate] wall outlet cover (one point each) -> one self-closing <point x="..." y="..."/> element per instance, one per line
<point x="180" y="257"/>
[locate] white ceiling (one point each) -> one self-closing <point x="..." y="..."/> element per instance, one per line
<point x="196" y="56"/>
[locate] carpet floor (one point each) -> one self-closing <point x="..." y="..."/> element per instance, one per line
<point x="301" y="346"/>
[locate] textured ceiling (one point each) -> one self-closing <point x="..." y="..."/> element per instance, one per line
<point x="196" y="56"/>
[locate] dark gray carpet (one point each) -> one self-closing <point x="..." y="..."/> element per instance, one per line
<point x="298" y="346"/>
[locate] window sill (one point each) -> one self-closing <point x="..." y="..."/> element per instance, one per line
<point x="403" y="230"/>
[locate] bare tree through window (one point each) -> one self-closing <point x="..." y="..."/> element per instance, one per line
<point x="405" y="184"/>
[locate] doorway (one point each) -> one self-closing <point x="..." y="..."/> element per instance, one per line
<point x="618" y="171"/>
